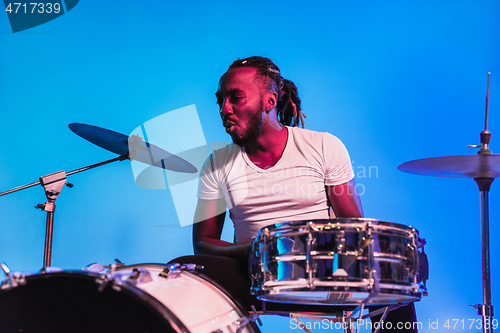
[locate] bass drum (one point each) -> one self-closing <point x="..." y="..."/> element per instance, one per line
<point x="130" y="299"/>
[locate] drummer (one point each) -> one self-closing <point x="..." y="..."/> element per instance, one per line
<point x="273" y="172"/>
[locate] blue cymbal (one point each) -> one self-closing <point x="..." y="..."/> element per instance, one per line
<point x="461" y="166"/>
<point x="142" y="151"/>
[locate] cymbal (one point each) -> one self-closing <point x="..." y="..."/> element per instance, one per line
<point x="461" y="166"/>
<point x="119" y="144"/>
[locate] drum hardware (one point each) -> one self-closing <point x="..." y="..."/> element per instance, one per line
<point x="114" y="266"/>
<point x="341" y="247"/>
<point x="421" y="259"/>
<point x="108" y="276"/>
<point x="137" y="275"/>
<point x="100" y="269"/>
<point x="129" y="148"/>
<point x="174" y="269"/>
<point x="364" y="242"/>
<point x="483" y="168"/>
<point x="16" y="279"/>
<point x="252" y="318"/>
<point x="12" y="280"/>
<point x="103" y="281"/>
<point x="118" y="263"/>
<point x="372" y="285"/>
<point x="95" y="268"/>
<point x="310" y="283"/>
<point x="266" y="274"/>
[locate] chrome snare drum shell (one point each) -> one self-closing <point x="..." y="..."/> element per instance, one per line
<point x="337" y="262"/>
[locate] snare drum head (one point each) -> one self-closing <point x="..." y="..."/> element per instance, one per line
<point x="71" y="302"/>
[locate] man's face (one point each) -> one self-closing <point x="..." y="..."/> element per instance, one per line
<point x="241" y="107"/>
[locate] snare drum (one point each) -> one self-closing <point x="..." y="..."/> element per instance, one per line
<point x="339" y="262"/>
<point x="129" y="299"/>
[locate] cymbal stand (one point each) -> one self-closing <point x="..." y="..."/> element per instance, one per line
<point x="53" y="185"/>
<point x="486" y="309"/>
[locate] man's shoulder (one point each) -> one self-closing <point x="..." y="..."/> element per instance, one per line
<point x="226" y="151"/>
<point x="221" y="156"/>
<point x="311" y="136"/>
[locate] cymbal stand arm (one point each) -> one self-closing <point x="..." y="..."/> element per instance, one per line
<point x="16" y="189"/>
<point x="119" y="158"/>
<point x="486" y="135"/>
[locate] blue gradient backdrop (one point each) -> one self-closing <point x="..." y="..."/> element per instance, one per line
<point x="395" y="80"/>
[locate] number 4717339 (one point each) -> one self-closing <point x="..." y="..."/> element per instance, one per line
<point x="472" y="323"/>
<point x="33" y="7"/>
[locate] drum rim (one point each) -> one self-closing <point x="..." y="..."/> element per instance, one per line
<point x="273" y="297"/>
<point x="341" y="221"/>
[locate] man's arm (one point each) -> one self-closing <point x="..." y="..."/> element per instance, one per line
<point x="345" y="200"/>
<point x="207" y="232"/>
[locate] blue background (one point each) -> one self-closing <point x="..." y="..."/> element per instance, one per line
<point x="394" y="80"/>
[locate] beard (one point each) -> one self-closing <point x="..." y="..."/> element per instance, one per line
<point x="253" y="130"/>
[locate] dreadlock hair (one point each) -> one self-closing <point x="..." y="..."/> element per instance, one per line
<point x="288" y="105"/>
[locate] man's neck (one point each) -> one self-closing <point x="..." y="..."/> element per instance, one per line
<point x="266" y="151"/>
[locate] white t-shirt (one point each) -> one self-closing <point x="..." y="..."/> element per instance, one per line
<point x="291" y="190"/>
